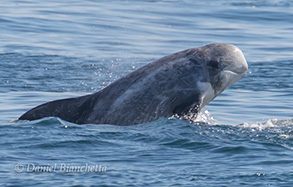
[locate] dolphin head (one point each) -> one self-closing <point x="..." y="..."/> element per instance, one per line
<point x="224" y="64"/>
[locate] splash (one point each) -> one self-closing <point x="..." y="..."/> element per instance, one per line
<point x="271" y="123"/>
<point x="206" y="117"/>
<point x="202" y="117"/>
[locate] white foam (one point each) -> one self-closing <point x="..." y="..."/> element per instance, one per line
<point x="271" y="123"/>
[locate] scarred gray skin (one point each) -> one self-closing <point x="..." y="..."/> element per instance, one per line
<point x="178" y="84"/>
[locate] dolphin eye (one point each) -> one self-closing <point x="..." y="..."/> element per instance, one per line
<point x="214" y="64"/>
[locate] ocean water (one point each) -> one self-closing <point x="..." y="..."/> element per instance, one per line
<point x="58" y="49"/>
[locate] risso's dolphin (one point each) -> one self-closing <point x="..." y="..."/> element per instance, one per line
<point x="179" y="85"/>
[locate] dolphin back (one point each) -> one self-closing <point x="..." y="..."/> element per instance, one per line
<point x="70" y="109"/>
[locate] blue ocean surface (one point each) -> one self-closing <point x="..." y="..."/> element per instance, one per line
<point x="58" y="49"/>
